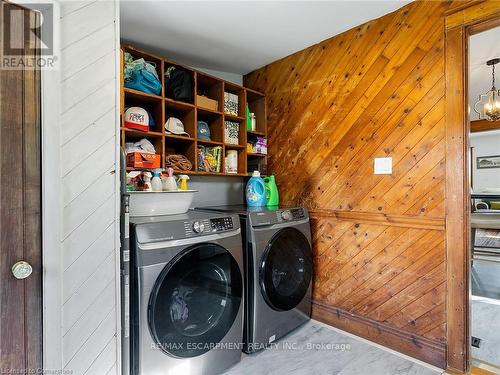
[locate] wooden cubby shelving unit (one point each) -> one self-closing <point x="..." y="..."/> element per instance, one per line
<point x="162" y="108"/>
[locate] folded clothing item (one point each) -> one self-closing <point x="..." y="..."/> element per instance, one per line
<point x="141" y="146"/>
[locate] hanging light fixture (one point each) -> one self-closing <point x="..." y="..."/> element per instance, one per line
<point x="488" y="106"/>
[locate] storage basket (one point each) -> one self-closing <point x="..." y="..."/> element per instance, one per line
<point x="231" y="133"/>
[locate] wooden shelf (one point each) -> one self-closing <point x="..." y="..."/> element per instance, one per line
<point x="209" y="112"/>
<point x="141" y="95"/>
<point x="254" y="132"/>
<point x="161" y="108"/>
<point x="254" y="95"/>
<point x="139" y="133"/>
<point x="254" y="154"/>
<point x="178" y="104"/>
<point x="181" y="138"/>
<point x="230" y="117"/>
<point x="209" y="143"/>
<point x="234" y="147"/>
<point x="202" y="173"/>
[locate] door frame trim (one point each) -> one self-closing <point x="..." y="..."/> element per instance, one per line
<point x="51" y="211"/>
<point x="460" y="23"/>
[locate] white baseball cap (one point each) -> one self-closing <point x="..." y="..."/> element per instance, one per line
<point x="175" y="126"/>
<point x="137" y="118"/>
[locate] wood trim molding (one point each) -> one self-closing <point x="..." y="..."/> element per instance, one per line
<point x="458" y="26"/>
<point x="405" y="221"/>
<point x="483" y="125"/>
<point x="457" y="203"/>
<point x="430" y="351"/>
<point x="474" y="13"/>
<point x="458" y="6"/>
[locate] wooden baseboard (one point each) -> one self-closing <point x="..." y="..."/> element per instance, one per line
<point x="430" y="351"/>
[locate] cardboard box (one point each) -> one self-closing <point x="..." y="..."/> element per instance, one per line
<point x="143" y="160"/>
<point x="203" y="101"/>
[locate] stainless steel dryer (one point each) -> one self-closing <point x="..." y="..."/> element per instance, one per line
<point x="278" y="271"/>
<point x="187" y="294"/>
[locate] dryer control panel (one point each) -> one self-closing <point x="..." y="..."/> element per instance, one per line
<point x="208" y="226"/>
<point x="267" y="217"/>
<point x="292" y="214"/>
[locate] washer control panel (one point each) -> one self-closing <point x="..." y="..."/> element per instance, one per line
<point x="198" y="227"/>
<point x="221" y="224"/>
<point x="208" y="226"/>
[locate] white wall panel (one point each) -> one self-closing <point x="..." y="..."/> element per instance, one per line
<point x="88" y="80"/>
<point x="87" y="50"/>
<point x="485" y="144"/>
<point x="85" y="21"/>
<point x="93" y="347"/>
<point x="89" y="198"/>
<point x="88" y="171"/>
<point x="85" y="204"/>
<point x="87" y="233"/>
<point x="76" y="273"/>
<point x="78" y="117"/>
<point x="83" y="328"/>
<point x="87" y="141"/>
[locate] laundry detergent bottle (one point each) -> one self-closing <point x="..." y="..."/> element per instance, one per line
<point x="256" y="191"/>
<point x="272" y="195"/>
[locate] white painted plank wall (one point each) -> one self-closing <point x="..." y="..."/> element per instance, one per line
<point x="89" y="200"/>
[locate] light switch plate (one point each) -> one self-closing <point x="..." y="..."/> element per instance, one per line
<point x="383" y="166"/>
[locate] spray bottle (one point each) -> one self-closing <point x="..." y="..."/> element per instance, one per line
<point x="169" y="183"/>
<point x="183" y="179"/>
<point x="156" y="184"/>
<point x="147" y="181"/>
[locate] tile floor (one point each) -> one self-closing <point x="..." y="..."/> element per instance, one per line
<point x="486" y="326"/>
<point x="485" y="314"/>
<point x="345" y="355"/>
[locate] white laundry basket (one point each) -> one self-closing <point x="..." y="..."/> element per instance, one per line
<point x="148" y="203"/>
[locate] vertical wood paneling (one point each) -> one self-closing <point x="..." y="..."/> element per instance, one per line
<point x="21" y="326"/>
<point x="88" y="149"/>
<point x="374" y="91"/>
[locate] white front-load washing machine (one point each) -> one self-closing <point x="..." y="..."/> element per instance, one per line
<point x="278" y="271"/>
<point x="186" y="294"/>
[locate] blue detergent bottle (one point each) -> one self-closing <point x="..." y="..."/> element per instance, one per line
<point x="256" y="191"/>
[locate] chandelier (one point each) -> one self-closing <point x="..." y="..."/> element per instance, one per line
<point x="488" y="105"/>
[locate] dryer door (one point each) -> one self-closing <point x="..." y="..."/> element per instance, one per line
<point x="286" y="269"/>
<point x="195" y="301"/>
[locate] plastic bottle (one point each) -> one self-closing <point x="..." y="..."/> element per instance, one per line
<point x="256" y="191"/>
<point x="183" y="179"/>
<point x="147" y="181"/>
<point x="248" y="118"/>
<point x="272" y="195"/>
<point x="156" y="184"/>
<point x="169" y="183"/>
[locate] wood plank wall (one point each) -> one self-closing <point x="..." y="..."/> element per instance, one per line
<point x="89" y="193"/>
<point x="374" y="91"/>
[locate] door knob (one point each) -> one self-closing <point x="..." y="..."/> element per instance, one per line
<point x="21" y="269"/>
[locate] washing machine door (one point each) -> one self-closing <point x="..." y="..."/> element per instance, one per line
<point x="195" y="301"/>
<point x="286" y="269"/>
